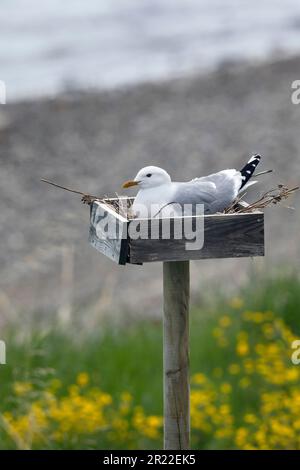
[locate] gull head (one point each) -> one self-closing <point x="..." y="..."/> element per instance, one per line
<point x="149" y="177"/>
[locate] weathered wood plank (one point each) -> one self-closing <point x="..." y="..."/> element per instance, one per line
<point x="176" y="356"/>
<point x="225" y="236"/>
<point x="108" y="232"/>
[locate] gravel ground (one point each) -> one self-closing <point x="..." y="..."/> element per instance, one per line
<point x="93" y="142"/>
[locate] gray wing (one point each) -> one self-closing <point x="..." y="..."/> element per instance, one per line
<point x="193" y="193"/>
<point x="216" y="191"/>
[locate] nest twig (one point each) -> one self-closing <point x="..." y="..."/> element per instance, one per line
<point x="89" y="198"/>
<point x="85" y="198"/>
<point x="273" y="196"/>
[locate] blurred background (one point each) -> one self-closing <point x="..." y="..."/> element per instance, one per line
<point x="95" y="91"/>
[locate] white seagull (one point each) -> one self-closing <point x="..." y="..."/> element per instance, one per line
<point x="216" y="191"/>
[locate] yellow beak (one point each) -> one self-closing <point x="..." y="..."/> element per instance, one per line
<point x="128" y="184"/>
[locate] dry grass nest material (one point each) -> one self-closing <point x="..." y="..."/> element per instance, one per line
<point x="271" y="197"/>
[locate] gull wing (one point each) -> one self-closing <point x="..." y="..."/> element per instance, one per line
<point x="193" y="193"/>
<point x="216" y="191"/>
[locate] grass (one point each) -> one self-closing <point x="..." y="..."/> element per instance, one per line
<point x="129" y="359"/>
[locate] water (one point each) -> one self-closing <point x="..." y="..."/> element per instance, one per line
<point x="51" y="45"/>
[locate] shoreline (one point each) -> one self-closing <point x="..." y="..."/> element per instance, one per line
<point x="77" y="92"/>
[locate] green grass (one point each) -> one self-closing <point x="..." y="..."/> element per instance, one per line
<point x="116" y="361"/>
<point x="130" y="357"/>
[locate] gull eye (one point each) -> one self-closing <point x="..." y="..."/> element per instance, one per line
<point x="148" y="175"/>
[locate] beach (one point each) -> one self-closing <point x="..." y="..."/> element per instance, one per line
<point x="93" y="141"/>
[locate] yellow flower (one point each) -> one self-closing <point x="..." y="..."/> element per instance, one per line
<point x="222" y="433"/>
<point x="268" y="330"/>
<point x="250" y="418"/>
<point x="106" y="399"/>
<point x="225" y="388"/>
<point x="224" y="409"/>
<point x="225" y="321"/>
<point x="292" y="374"/>
<point x="22" y="388"/>
<point x="126" y="396"/>
<point x="199" y="378"/>
<point x="260" y="349"/>
<point x="73" y="390"/>
<point x="236" y="302"/>
<point x="55" y="384"/>
<point x="244" y="382"/>
<point x="242" y="348"/>
<point x="82" y="379"/>
<point x="249" y="366"/>
<point x="258" y="317"/>
<point x="154" y="421"/>
<point x="260" y="437"/>
<point x="241" y="437"/>
<point x="234" y="369"/>
<point x="217" y="332"/>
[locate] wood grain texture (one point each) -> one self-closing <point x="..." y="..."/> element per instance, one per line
<point x="112" y="242"/>
<point x="176" y="356"/>
<point x="225" y="236"/>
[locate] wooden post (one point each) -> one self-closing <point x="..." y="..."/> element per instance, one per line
<point x="176" y="355"/>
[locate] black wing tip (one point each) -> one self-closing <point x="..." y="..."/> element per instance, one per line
<point x="255" y="156"/>
<point x="248" y="170"/>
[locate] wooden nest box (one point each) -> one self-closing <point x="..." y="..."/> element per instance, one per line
<point x="225" y="235"/>
<point x="229" y="235"/>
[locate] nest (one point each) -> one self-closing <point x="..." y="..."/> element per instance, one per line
<point x="269" y="198"/>
<point x="122" y="205"/>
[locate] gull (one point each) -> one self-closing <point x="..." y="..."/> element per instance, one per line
<point x="158" y="195"/>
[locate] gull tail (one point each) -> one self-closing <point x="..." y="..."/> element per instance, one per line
<point x="248" y="170"/>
